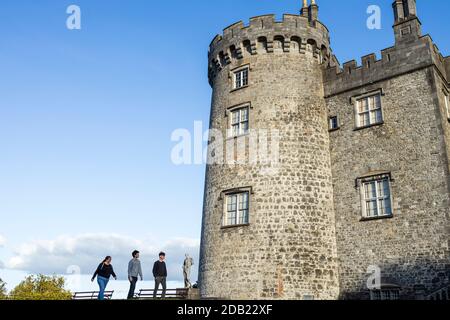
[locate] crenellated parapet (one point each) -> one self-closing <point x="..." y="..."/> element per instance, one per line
<point x="394" y="61"/>
<point x="411" y="52"/>
<point x="265" y="35"/>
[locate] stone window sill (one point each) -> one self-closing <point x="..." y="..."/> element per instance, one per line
<point x="238" y="136"/>
<point x="335" y="129"/>
<point x="240" y="88"/>
<point x="376" y="218"/>
<point x="369" y="126"/>
<point x="235" y="226"/>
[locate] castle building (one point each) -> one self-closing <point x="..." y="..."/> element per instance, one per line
<point x="362" y="186"/>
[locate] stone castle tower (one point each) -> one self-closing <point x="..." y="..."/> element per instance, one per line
<point x="342" y="198"/>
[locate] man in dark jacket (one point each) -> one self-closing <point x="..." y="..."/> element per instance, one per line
<point x="160" y="274"/>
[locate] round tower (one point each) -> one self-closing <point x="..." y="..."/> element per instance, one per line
<point x="269" y="234"/>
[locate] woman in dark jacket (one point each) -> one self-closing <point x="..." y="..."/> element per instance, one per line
<point x="103" y="273"/>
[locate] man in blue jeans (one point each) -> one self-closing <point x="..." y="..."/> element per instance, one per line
<point x="134" y="270"/>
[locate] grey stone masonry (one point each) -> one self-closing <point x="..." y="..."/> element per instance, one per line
<point x="412" y="246"/>
<point x="447" y="67"/>
<point x="288" y="250"/>
<point x="308" y="234"/>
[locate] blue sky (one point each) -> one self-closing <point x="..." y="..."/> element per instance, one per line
<point x="86" y="118"/>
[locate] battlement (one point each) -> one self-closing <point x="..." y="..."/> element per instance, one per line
<point x="264" y="34"/>
<point x="268" y="22"/>
<point x="396" y="60"/>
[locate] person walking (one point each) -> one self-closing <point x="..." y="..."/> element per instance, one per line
<point x="103" y="273"/>
<point x="160" y="274"/>
<point x="134" y="270"/>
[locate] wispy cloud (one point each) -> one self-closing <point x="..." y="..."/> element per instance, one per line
<point x="87" y="250"/>
<point x="2" y="244"/>
<point x="2" y="241"/>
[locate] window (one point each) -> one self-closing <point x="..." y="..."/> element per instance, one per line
<point x="376" y="197"/>
<point x="447" y="105"/>
<point x="239" y="121"/>
<point x="385" y="294"/>
<point x="333" y="123"/>
<point x="237" y="209"/>
<point x="406" y="8"/>
<point x="241" y="78"/>
<point x="369" y="111"/>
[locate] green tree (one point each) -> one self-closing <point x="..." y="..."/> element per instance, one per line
<point x="2" y="290"/>
<point x="41" y="287"/>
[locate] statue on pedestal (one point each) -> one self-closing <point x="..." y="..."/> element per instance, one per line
<point x="187" y="265"/>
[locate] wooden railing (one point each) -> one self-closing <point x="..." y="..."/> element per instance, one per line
<point x="148" y="294"/>
<point x="91" y="295"/>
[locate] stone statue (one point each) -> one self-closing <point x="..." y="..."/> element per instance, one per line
<point x="187" y="265"/>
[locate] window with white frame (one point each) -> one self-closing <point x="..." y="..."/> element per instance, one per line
<point x="239" y="121"/>
<point x="447" y="104"/>
<point x="237" y="209"/>
<point x="240" y="78"/>
<point x="334" y="123"/>
<point x="369" y="111"/>
<point x="376" y="196"/>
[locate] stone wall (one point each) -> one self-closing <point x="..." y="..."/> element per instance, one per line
<point x="412" y="247"/>
<point x="288" y="251"/>
<point x="447" y="67"/>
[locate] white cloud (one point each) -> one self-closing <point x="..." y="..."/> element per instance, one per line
<point x="2" y="241"/>
<point x="86" y="252"/>
<point x="2" y="244"/>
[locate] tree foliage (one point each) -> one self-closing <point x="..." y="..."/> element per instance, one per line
<point x="41" y="287"/>
<point x="2" y="290"/>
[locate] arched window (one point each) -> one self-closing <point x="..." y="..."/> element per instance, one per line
<point x="262" y="44"/>
<point x="247" y="47"/>
<point x="311" y="46"/>
<point x="278" y="44"/>
<point x="323" y="55"/>
<point x="296" y="43"/>
<point x="233" y="52"/>
<point x="222" y="60"/>
<point x="406" y="8"/>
